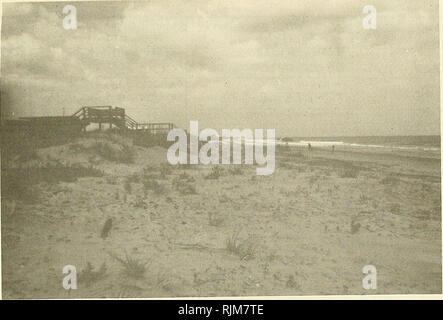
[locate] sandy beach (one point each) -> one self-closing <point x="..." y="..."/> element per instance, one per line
<point x="307" y="229"/>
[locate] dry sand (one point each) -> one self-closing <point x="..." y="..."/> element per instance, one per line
<point x="294" y="227"/>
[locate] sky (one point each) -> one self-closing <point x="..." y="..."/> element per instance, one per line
<point x="303" y="68"/>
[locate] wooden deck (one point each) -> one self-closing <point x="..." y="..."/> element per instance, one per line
<point x="31" y="130"/>
<point x="117" y="117"/>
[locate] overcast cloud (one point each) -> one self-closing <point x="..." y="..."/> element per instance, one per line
<point x="305" y="68"/>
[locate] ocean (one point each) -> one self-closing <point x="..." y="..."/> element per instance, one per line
<point x="411" y="143"/>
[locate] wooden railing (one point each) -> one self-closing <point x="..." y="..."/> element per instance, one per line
<point x="116" y="116"/>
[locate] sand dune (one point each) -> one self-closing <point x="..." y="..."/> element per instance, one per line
<point x="222" y="230"/>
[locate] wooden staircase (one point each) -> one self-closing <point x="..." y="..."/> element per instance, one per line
<point x="115" y="116"/>
<point x="28" y="132"/>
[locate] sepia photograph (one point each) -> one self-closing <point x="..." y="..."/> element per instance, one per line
<point x="219" y="148"/>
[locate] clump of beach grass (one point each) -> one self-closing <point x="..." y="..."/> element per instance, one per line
<point x="154" y="185"/>
<point x="236" y="170"/>
<point x="88" y="275"/>
<point x="120" y="154"/>
<point x="184" y="184"/>
<point x="364" y="198"/>
<point x="185" y="188"/>
<point x="20" y="183"/>
<point x="133" y="267"/>
<point x="214" y="174"/>
<point x="241" y="248"/>
<point x="186" y="166"/>
<point x="186" y="177"/>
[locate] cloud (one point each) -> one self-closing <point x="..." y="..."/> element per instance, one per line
<point x="229" y="63"/>
<point x="17" y="10"/>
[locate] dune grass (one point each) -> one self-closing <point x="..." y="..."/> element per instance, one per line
<point x="243" y="249"/>
<point x="89" y="276"/>
<point x="133" y="267"/>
